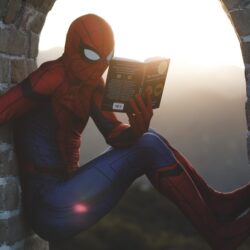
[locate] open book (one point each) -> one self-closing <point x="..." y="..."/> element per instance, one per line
<point x="127" y="78"/>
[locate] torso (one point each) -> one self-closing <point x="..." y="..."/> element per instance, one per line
<point x="50" y="135"/>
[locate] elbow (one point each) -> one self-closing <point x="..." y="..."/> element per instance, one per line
<point x="123" y="140"/>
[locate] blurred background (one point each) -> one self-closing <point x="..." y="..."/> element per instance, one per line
<point x="202" y="111"/>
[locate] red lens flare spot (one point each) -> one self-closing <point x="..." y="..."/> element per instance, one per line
<point x="80" y="208"/>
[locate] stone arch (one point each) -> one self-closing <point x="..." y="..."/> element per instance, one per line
<point x="21" y="22"/>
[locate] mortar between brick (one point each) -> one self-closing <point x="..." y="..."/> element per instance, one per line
<point x="16" y="246"/>
<point x="5" y="215"/>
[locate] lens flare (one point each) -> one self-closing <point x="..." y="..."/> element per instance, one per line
<point x="80" y="208"/>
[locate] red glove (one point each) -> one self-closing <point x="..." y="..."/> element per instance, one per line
<point x="141" y="114"/>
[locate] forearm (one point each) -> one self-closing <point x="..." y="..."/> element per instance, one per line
<point x="122" y="136"/>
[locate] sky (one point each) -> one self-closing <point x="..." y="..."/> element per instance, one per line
<point x="203" y="107"/>
<point x="197" y="31"/>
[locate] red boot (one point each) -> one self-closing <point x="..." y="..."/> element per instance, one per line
<point x="225" y="206"/>
<point x="175" y="183"/>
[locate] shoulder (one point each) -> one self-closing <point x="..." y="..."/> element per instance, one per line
<point x="48" y="77"/>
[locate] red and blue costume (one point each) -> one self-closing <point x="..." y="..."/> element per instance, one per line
<point x="50" y="110"/>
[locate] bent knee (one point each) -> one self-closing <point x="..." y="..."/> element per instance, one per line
<point x="150" y="139"/>
<point x="155" y="145"/>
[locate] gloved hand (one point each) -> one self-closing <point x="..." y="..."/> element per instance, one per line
<point x="139" y="118"/>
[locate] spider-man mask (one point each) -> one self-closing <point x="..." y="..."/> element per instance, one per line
<point x="89" y="48"/>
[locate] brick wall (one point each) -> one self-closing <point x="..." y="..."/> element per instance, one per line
<point x="20" y="24"/>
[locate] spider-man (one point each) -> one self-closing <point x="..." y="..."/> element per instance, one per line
<point x="51" y="108"/>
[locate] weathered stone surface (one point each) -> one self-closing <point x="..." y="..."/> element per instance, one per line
<point x="248" y="144"/>
<point x="32" y="20"/>
<point x="247" y="105"/>
<point x="19" y="70"/>
<point x="8" y="162"/>
<point x="6" y="134"/>
<point x="235" y="4"/>
<point x="13" y="230"/>
<point x="9" y="169"/>
<point x="9" y="195"/>
<point x="42" y="5"/>
<point x="3" y="230"/>
<point x="248" y="96"/>
<point x="35" y="243"/>
<point x="13" y="42"/>
<point x="6" y="151"/>
<point x="33" y="45"/>
<point x="17" y="229"/>
<point x="245" y="48"/>
<point x="4" y="87"/>
<point x="4" y="70"/>
<point x="3" y="7"/>
<point x="13" y="9"/>
<point x="247" y="73"/>
<point x="31" y="65"/>
<point x="241" y="20"/>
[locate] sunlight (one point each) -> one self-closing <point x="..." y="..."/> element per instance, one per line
<point x="203" y="104"/>
<point x="197" y="31"/>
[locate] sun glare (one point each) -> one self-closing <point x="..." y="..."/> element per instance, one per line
<point x="197" y="31"/>
<point x="205" y="87"/>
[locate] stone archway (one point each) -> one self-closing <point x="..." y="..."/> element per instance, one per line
<point x="21" y="22"/>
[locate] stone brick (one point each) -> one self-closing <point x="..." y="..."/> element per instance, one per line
<point x="31" y="65"/>
<point x="9" y="169"/>
<point x="241" y="20"/>
<point x="245" y="48"/>
<point x="6" y="134"/>
<point x="13" y="42"/>
<point x="35" y="3"/>
<point x="19" y="70"/>
<point x="13" y="230"/>
<point x="3" y="88"/>
<point x="9" y="195"/>
<point x="13" y="9"/>
<point x="17" y="229"/>
<point x="4" y="70"/>
<point x="8" y="162"/>
<point x="35" y="243"/>
<point x="12" y="195"/>
<point x="247" y="73"/>
<point x="32" y="20"/>
<point x="33" y="45"/>
<point x="6" y="152"/>
<point x="42" y="5"/>
<point x="3" y="7"/>
<point x="248" y="146"/>
<point x="247" y="106"/>
<point x="3" y="230"/>
<point x="235" y="4"/>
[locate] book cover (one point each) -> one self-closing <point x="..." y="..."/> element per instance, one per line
<point x="126" y="78"/>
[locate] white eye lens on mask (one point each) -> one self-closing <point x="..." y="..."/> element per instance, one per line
<point x="91" y="55"/>
<point x="110" y="56"/>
